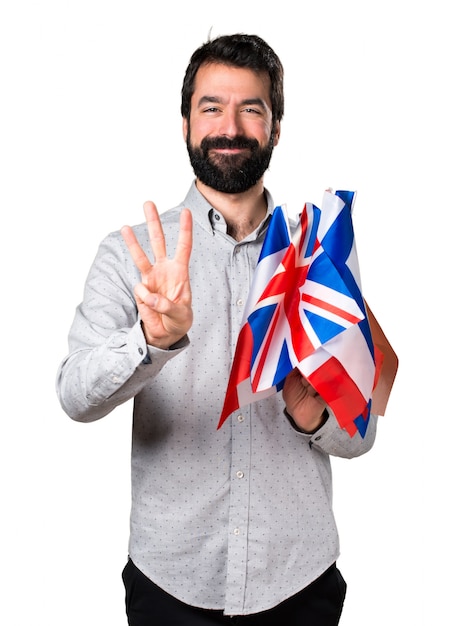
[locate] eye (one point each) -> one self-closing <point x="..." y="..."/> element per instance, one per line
<point x="210" y="110"/>
<point x="252" y="111"/>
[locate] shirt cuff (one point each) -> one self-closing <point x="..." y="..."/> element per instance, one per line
<point x="325" y="416"/>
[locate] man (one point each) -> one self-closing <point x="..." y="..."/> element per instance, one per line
<point x="229" y="525"/>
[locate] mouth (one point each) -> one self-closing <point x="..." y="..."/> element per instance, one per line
<point x="228" y="146"/>
<point x="229" y="151"/>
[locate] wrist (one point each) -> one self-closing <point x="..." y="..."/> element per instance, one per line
<point x="167" y="342"/>
<point x="307" y="431"/>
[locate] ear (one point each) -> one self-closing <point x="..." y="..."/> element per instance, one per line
<point x="277" y="133"/>
<point x="185" y="128"/>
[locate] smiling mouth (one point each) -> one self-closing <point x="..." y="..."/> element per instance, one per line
<point x="229" y="150"/>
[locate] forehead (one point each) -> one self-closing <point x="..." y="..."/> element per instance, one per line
<point x="226" y="81"/>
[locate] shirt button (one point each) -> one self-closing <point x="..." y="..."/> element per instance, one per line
<point x="240" y="474"/>
<point x="240" y="418"/>
<point x="236" y="531"/>
<point x="217" y="217"/>
<point x="240" y="302"/>
<point x="141" y="351"/>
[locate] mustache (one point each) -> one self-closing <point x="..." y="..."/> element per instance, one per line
<point x="238" y="142"/>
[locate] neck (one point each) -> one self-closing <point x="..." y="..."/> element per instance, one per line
<point x="243" y="212"/>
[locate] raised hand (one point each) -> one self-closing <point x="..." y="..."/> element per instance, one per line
<point x="164" y="296"/>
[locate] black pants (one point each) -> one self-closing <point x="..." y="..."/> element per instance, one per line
<point x="320" y="604"/>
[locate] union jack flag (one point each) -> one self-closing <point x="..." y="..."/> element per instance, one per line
<point x="306" y="311"/>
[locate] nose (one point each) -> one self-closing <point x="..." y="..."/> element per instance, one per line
<point x="230" y="123"/>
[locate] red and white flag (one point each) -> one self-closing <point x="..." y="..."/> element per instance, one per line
<point x="306" y="311"/>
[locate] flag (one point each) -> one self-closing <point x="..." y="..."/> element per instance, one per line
<point x="309" y="314"/>
<point x="239" y="392"/>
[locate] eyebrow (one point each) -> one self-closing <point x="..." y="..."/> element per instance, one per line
<point x="216" y="100"/>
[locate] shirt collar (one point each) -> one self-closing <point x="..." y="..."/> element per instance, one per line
<point x="212" y="220"/>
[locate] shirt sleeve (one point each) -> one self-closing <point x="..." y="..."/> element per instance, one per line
<point x="109" y="361"/>
<point x="332" y="439"/>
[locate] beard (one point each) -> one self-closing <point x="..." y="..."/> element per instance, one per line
<point x="230" y="173"/>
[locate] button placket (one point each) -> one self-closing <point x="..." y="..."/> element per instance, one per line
<point x="240" y="283"/>
<point x="241" y="272"/>
<point x="238" y="512"/>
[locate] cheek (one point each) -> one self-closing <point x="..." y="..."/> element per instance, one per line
<point x="199" y="129"/>
<point x="261" y="131"/>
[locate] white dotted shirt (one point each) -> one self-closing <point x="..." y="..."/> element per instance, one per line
<point x="238" y="518"/>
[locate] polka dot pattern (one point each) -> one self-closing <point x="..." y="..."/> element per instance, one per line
<point x="238" y="518"/>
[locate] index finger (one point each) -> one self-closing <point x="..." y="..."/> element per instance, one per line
<point x="139" y="257"/>
<point x="185" y="238"/>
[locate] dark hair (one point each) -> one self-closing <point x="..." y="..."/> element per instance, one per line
<point x="248" y="51"/>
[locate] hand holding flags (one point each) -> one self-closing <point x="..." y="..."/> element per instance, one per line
<point x="306" y="311"/>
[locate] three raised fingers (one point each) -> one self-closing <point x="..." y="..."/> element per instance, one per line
<point x="157" y="240"/>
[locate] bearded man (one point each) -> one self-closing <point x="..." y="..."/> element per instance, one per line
<point x="232" y="525"/>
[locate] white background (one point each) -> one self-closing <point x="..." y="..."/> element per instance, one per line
<point x="90" y="129"/>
